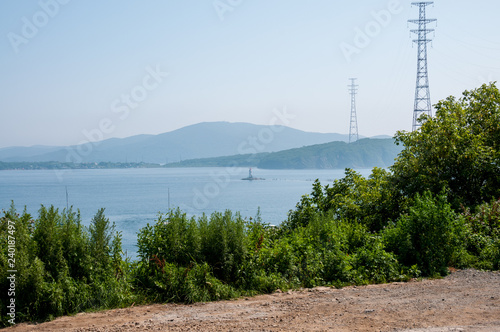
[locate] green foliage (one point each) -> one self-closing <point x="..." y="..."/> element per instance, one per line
<point x="217" y="244"/>
<point x="169" y="282"/>
<point x="101" y="232"/>
<point x="249" y="257"/>
<point x="48" y="239"/>
<point x="457" y="150"/>
<point x="483" y="235"/>
<point x="428" y="235"/>
<point x="219" y="241"/>
<point x="366" y="200"/>
<point x="223" y="244"/>
<point x="174" y="238"/>
<point x="62" y="268"/>
<point x="329" y="251"/>
<point x="374" y="264"/>
<point x="74" y="241"/>
<point x="369" y="201"/>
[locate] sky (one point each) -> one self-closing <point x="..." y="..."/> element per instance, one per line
<point x="73" y="71"/>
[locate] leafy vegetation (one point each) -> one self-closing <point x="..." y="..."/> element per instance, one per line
<point x="437" y="206"/>
<point x="429" y="235"/>
<point x="61" y="267"/>
<point x="457" y="150"/>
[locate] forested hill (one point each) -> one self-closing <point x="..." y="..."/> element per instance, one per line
<point x="365" y="153"/>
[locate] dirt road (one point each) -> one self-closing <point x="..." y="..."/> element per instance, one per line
<point x="464" y="301"/>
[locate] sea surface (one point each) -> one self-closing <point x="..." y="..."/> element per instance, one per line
<point x="133" y="198"/>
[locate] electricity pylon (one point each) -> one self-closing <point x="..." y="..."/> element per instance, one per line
<point x="422" y="95"/>
<point x="353" y="130"/>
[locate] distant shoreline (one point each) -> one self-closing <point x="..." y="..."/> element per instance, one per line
<point x="365" y="153"/>
<point x="33" y="166"/>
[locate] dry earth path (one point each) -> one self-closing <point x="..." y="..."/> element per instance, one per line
<point x="466" y="300"/>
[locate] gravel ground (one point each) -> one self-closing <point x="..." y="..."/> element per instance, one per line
<point x="466" y="300"/>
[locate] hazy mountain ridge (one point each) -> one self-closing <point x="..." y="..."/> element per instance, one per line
<point x="365" y="153"/>
<point x="202" y="140"/>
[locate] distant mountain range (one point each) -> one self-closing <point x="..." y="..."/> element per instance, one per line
<point x="203" y="140"/>
<point x="365" y="153"/>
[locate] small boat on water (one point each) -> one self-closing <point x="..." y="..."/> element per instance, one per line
<point x="251" y="177"/>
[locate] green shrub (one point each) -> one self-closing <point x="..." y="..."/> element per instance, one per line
<point x="61" y="267"/>
<point x="223" y="243"/>
<point x="48" y="242"/>
<point x="337" y="267"/>
<point x="74" y="242"/>
<point x="174" y="238"/>
<point x="189" y="260"/>
<point x="280" y="259"/>
<point x="496" y="255"/>
<point x="100" y="233"/>
<point x="375" y="265"/>
<point x="428" y="236"/>
<point x="483" y="235"/>
<point x="331" y="252"/>
<point x="370" y="201"/>
<point x="194" y="283"/>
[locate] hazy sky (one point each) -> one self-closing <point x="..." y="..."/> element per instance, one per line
<point x="116" y="68"/>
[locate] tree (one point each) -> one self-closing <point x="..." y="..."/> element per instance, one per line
<point x="366" y="200"/>
<point x="101" y="233"/>
<point x="354" y="197"/>
<point x="457" y="150"/>
<point x="48" y="239"/>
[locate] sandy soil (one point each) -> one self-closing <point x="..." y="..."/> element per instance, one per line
<point x="464" y="301"/>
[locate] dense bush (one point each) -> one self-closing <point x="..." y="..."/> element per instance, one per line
<point x="429" y="235"/>
<point x="174" y="238"/>
<point x="353" y="197"/>
<point x="483" y="235"/>
<point x="62" y="268"/>
<point x="216" y="246"/>
<point x="241" y="257"/>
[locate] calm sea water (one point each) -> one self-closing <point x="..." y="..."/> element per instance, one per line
<point x="134" y="197"/>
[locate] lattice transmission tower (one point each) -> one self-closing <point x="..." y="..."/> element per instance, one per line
<point x="422" y="95"/>
<point x="353" y="130"/>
